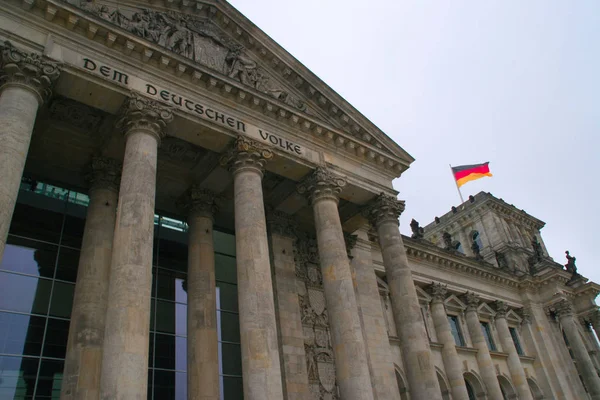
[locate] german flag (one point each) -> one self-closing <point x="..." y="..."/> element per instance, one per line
<point x="467" y="173"/>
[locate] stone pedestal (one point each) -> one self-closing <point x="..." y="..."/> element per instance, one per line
<point x="515" y="367"/>
<point x="484" y="359"/>
<point x="379" y="354"/>
<point x="564" y="313"/>
<point x="83" y="361"/>
<point x="352" y="371"/>
<point x="126" y="340"/>
<point x="452" y="364"/>
<point x="260" y="352"/>
<point x="25" y="85"/>
<point x="422" y="380"/>
<point x="202" y="335"/>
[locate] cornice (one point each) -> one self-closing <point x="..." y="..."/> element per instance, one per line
<point x="116" y="39"/>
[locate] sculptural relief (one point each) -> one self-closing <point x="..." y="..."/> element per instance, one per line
<point x="200" y="41"/>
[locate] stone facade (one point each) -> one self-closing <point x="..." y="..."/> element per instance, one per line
<point x="184" y="108"/>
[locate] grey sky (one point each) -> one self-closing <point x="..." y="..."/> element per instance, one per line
<point x="516" y="83"/>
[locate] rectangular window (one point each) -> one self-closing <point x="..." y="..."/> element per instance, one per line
<point x="487" y="334"/>
<point x="455" y="329"/>
<point x="516" y="341"/>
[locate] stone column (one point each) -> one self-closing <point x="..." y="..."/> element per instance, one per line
<point x="126" y="338"/>
<point x="452" y="364"/>
<point x="283" y="232"/>
<point x="384" y="212"/>
<point x="484" y="359"/>
<point x="583" y="362"/>
<point x="379" y="354"/>
<point x="595" y="321"/>
<point x="352" y="370"/>
<point x="83" y="361"/>
<point x="515" y="367"/>
<point x="261" y="369"/>
<point x="202" y="335"/>
<point x="25" y="83"/>
<point x="592" y="342"/>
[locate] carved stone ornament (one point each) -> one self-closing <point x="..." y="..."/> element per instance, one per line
<point x="438" y="292"/>
<point x="104" y="173"/>
<point x="30" y="70"/>
<point x="471" y="300"/>
<point x="79" y="115"/>
<point x="526" y="316"/>
<point x="322" y="184"/>
<point x="384" y="208"/>
<point x="417" y="231"/>
<point x="562" y="309"/>
<point x="246" y="154"/>
<point x="501" y="309"/>
<point x="199" y="201"/>
<point x="281" y="223"/>
<point x="200" y="41"/>
<point x="142" y="114"/>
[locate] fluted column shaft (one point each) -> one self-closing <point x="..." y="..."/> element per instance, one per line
<point x="452" y="364"/>
<point x="352" y="370"/>
<point x="261" y="370"/>
<point x="484" y="359"/>
<point x="202" y="335"/>
<point x="585" y="366"/>
<point x="25" y="80"/>
<point x="515" y="367"/>
<point x="126" y="340"/>
<point x="83" y="360"/>
<point x="422" y="379"/>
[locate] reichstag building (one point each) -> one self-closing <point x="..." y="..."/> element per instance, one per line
<point x="187" y="212"/>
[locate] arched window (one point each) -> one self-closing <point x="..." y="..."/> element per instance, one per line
<point x="401" y="386"/>
<point x="470" y="391"/>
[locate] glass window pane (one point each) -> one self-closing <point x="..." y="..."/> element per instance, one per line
<point x="230" y="327"/>
<point x="170" y="385"/>
<point x="455" y="329"/>
<point x="57" y="332"/>
<point x="172" y="254"/>
<point x="29" y="257"/>
<point x="228" y="300"/>
<point x="50" y="379"/>
<point x="171" y="317"/>
<point x="224" y="243"/>
<point x="232" y="388"/>
<point x="47" y="226"/>
<point x="225" y="269"/>
<point x="164" y="351"/>
<point x="516" y="341"/>
<point x="24" y="293"/>
<point x="170" y="285"/>
<point x="487" y="334"/>
<point x="17" y="375"/>
<point x="21" y="334"/>
<point x="73" y="231"/>
<point x="231" y="361"/>
<point x="68" y="261"/>
<point x="62" y="299"/>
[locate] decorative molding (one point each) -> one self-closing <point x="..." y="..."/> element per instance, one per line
<point x="77" y="114"/>
<point x="384" y="208"/>
<point x="322" y="184"/>
<point x="281" y="224"/>
<point x="438" y="292"/>
<point x="198" y="201"/>
<point x="142" y="114"/>
<point x="561" y="309"/>
<point x="471" y="300"/>
<point x="501" y="309"/>
<point x="104" y="173"/>
<point x="30" y="70"/>
<point x="246" y="154"/>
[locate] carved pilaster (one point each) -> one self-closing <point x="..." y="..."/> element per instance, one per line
<point x="246" y="154"/>
<point x="142" y="114"/>
<point x="501" y="309"/>
<point x="281" y="224"/>
<point x="384" y="208"/>
<point x="105" y="173"/>
<point x="438" y="292"/>
<point x="562" y="309"/>
<point x="471" y="300"/>
<point x="198" y="201"/>
<point x="322" y="184"/>
<point x="29" y="70"/>
<point x="526" y="316"/>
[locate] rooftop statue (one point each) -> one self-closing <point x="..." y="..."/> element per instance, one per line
<point x="570" y="265"/>
<point x="417" y="231"/>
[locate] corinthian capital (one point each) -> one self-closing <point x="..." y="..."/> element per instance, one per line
<point x="246" y="154"/>
<point x="29" y="70"/>
<point x="384" y="208"/>
<point x="104" y="173"/>
<point x="198" y="201"/>
<point x="322" y="184"/>
<point x="142" y="114"/>
<point x="471" y="300"/>
<point x="501" y="309"/>
<point x="562" y="309"/>
<point x="438" y="292"/>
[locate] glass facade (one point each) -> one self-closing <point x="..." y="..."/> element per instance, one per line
<point x="487" y="334"/>
<point x="455" y="329"/>
<point x="37" y="281"/>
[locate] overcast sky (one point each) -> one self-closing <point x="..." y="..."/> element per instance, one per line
<point x="516" y="83"/>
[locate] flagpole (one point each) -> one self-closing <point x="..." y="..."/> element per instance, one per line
<point x="457" y="187"/>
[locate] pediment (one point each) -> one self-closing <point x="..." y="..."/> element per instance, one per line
<point x="215" y="35"/>
<point x="512" y="316"/>
<point x="486" y="311"/>
<point x="424" y="297"/>
<point x="453" y="303"/>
